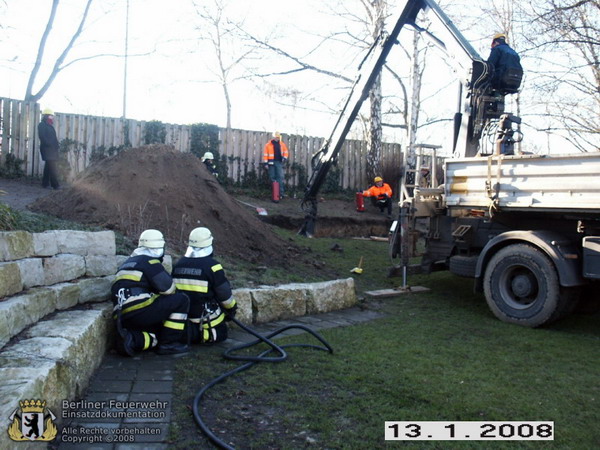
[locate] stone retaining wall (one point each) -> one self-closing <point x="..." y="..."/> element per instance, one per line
<point x="55" y="314"/>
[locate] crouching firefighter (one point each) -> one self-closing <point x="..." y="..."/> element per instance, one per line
<point x="149" y="313"/>
<point x="203" y="279"/>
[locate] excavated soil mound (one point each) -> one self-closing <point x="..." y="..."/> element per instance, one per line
<point x="158" y="187"/>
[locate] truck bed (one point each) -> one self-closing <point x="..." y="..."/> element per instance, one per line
<point x="525" y="182"/>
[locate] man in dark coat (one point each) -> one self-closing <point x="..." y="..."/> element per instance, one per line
<point x="49" y="149"/>
<point x="506" y="64"/>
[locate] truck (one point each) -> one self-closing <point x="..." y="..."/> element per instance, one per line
<point x="525" y="228"/>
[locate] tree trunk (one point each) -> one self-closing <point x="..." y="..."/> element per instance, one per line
<point x="374" y="134"/>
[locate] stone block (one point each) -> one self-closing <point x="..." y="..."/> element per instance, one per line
<point x="26" y="309"/>
<point x="67" y="294"/>
<point x="53" y="362"/>
<point x="44" y="244"/>
<point x="243" y="298"/>
<point x="86" y="333"/>
<point x="15" y="245"/>
<point x="95" y="289"/>
<point x="330" y="296"/>
<point x="32" y="272"/>
<point x="10" y="279"/>
<point x="100" y="265"/>
<point x="61" y="268"/>
<point x="121" y="259"/>
<point x="276" y="303"/>
<point x="22" y="380"/>
<point x="86" y="242"/>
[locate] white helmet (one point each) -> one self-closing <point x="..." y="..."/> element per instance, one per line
<point x="208" y="155"/>
<point x="151" y="239"/>
<point x="200" y="237"/>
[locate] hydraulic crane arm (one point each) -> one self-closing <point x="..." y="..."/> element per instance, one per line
<point x="465" y="130"/>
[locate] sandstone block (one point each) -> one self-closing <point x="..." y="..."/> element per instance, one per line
<point x="67" y="294"/>
<point x="100" y="265"/>
<point x="330" y="296"/>
<point x="24" y="310"/>
<point x="278" y="303"/>
<point x="15" y="245"/>
<point x="63" y="268"/>
<point x="243" y="298"/>
<point x="32" y="272"/>
<point x="94" y="289"/>
<point x="44" y="244"/>
<point x="10" y="279"/>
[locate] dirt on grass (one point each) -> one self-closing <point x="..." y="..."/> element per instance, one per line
<point x="158" y="187"/>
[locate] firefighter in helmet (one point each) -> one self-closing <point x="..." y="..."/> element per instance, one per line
<point x="148" y="310"/>
<point x="203" y="279"/>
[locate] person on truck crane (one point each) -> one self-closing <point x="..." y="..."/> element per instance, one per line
<point x="506" y="63"/>
<point x="381" y="195"/>
<point x="148" y="309"/>
<point x="203" y="279"/>
<point x="274" y="157"/>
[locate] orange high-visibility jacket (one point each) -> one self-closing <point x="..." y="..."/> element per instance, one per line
<point x="269" y="153"/>
<point x="375" y="191"/>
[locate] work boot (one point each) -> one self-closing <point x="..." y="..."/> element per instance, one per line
<point x="172" y="348"/>
<point x="124" y="344"/>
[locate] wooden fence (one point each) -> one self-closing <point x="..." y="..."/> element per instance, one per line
<point x="243" y="149"/>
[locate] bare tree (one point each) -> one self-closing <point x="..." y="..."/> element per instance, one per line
<point x="229" y="52"/>
<point x="59" y="63"/>
<point x="565" y="38"/>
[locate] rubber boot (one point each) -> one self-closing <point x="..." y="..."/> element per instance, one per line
<point x="125" y="344"/>
<point x="172" y="348"/>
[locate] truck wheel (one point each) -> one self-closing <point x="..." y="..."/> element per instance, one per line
<point x="521" y="286"/>
<point x="463" y="266"/>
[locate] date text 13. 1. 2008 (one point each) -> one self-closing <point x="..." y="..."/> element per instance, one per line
<point x="469" y="431"/>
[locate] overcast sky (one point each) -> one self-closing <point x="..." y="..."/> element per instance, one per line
<point x="172" y="81"/>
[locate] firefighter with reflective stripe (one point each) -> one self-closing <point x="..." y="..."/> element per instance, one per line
<point x="203" y="279"/>
<point x="148" y="310"/>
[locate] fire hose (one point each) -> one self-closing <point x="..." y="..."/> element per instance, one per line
<point x="250" y="361"/>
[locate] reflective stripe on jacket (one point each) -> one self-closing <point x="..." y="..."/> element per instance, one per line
<point x="375" y="191"/>
<point x="269" y="152"/>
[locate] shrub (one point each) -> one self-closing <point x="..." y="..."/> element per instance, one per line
<point x="13" y="167"/>
<point x="155" y="132"/>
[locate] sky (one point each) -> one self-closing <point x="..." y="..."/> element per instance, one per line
<point x="169" y="81"/>
<point x="170" y="71"/>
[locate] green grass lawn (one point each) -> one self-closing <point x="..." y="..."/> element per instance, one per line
<point x="435" y="356"/>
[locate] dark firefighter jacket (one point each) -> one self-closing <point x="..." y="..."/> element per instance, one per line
<point x="144" y="278"/>
<point x="204" y="282"/>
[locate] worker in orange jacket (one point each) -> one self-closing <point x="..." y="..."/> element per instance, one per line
<point x="381" y="195"/>
<point x="274" y="157"/>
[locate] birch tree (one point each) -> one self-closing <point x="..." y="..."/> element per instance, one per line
<point x="59" y="64"/>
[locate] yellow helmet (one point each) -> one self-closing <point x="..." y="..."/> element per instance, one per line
<point x="276" y="134"/>
<point x="47" y="112"/>
<point x="200" y="237"/>
<point x="151" y="239"/>
<point x="376" y="179"/>
<point x="500" y="36"/>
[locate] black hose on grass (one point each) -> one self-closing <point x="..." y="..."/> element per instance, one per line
<point x="251" y="360"/>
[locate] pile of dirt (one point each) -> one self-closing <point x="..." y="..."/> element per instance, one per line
<point x="158" y="187"/>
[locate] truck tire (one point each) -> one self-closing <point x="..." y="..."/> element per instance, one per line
<point x="521" y="286"/>
<point x="463" y="266"/>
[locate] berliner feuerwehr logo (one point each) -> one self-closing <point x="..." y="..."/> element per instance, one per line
<point x="30" y="423"/>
